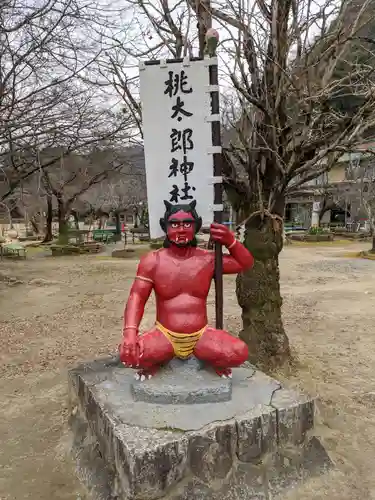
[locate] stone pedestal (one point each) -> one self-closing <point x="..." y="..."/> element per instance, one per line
<point x="183" y="382"/>
<point x="187" y="434"/>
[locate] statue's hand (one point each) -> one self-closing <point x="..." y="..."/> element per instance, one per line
<point x="130" y="348"/>
<point x="221" y="234"/>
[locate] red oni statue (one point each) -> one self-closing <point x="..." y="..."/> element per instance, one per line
<point x="180" y="275"/>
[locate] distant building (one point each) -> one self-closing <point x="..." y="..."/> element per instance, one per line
<point x="334" y="195"/>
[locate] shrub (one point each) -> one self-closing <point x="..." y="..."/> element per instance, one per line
<point x="317" y="230"/>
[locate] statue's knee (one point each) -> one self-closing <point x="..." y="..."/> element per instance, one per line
<point x="242" y="352"/>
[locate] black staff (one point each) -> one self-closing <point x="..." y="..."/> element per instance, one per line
<point x="218" y="195"/>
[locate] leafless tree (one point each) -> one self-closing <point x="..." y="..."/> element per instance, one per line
<point x="123" y="190"/>
<point x="361" y="176"/>
<point x="287" y="56"/>
<point x="72" y="176"/>
<point x="368" y="200"/>
<point x="47" y="48"/>
<point x="158" y="29"/>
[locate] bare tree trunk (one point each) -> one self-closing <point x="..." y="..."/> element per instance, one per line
<point x="91" y="221"/>
<point x="118" y="226"/>
<point x="136" y="217"/>
<point x="258" y="294"/>
<point x="76" y="220"/>
<point x="204" y="23"/>
<point x="323" y="208"/>
<point x="48" y="236"/>
<point x="372" y="225"/>
<point x="372" y="233"/>
<point x="321" y="214"/>
<point x="62" y="215"/>
<point x="34" y="224"/>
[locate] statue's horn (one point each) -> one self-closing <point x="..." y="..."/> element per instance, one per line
<point x="167" y="205"/>
<point x="193" y="204"/>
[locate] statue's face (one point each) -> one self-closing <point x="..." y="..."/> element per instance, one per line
<point x="181" y="229"/>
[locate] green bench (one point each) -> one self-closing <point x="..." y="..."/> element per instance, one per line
<point x="104" y="235"/>
<point x="13" y="250"/>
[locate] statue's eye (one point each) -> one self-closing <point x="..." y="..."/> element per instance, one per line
<point x="174" y="225"/>
<point x="187" y="225"/>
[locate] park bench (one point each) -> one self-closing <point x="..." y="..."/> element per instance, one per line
<point x="91" y="247"/>
<point x="103" y="235"/>
<point x="13" y="250"/>
<point x="143" y="237"/>
<point x="142" y="234"/>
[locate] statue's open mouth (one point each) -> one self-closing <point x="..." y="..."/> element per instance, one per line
<point x="182" y="240"/>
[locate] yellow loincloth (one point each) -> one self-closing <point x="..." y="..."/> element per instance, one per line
<point x="183" y="343"/>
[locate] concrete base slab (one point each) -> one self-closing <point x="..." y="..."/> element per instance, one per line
<point x="237" y="449"/>
<point x="183" y="382"/>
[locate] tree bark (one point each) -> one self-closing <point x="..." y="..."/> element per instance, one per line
<point x="34" y="224"/>
<point x="48" y="236"/>
<point x="63" y="214"/>
<point x="321" y="214"/>
<point x="372" y="229"/>
<point x="118" y="223"/>
<point x="258" y="294"/>
<point x="136" y="217"/>
<point x="76" y="220"/>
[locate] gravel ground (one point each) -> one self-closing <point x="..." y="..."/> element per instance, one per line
<point x="58" y="312"/>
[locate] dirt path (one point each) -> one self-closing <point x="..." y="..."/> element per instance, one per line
<point x="69" y="309"/>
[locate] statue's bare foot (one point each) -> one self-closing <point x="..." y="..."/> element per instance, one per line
<point x="224" y="372"/>
<point x="146" y="374"/>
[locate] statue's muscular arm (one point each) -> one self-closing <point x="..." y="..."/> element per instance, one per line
<point x="240" y="259"/>
<point x="140" y="292"/>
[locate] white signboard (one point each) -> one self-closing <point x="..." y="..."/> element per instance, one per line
<point x="316" y="206"/>
<point x="176" y="112"/>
